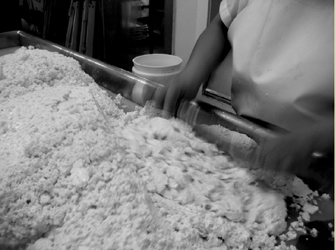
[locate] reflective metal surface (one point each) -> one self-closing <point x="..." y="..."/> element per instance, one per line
<point x="198" y="112"/>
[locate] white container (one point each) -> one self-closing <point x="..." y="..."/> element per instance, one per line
<point x="159" y="68"/>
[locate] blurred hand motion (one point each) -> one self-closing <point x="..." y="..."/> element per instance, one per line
<point x="208" y="52"/>
<point x="168" y="98"/>
<point x="295" y="152"/>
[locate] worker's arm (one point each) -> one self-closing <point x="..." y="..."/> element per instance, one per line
<point x="206" y="55"/>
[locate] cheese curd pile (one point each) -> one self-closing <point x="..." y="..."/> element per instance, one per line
<point x="77" y="172"/>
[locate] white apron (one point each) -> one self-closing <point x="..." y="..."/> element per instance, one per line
<point x="282" y="59"/>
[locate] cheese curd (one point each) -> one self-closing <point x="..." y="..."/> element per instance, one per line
<point x="79" y="173"/>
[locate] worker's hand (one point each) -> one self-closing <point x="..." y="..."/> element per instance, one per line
<point x="293" y="152"/>
<point x="286" y="153"/>
<point x="167" y="98"/>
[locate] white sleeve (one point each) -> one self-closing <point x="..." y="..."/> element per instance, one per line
<point x="229" y="9"/>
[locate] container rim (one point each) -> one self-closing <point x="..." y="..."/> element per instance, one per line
<point x="138" y="63"/>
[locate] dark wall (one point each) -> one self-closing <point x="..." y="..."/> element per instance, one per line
<point x="114" y="40"/>
<point x="10" y="16"/>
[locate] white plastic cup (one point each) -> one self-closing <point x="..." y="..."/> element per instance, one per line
<point x="159" y="68"/>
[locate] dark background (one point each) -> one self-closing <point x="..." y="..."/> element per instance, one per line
<point x="115" y="42"/>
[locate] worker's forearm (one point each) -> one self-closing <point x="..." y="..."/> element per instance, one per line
<point x="207" y="53"/>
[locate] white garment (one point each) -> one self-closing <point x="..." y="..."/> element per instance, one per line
<point x="283" y="59"/>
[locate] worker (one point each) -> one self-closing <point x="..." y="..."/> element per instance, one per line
<point x="282" y="73"/>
